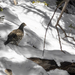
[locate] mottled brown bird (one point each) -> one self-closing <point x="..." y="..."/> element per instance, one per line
<point x="16" y="35"/>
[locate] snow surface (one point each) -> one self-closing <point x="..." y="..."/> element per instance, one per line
<point x="36" y="16"/>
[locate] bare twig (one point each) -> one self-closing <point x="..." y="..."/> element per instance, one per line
<point x="59" y="39"/>
<point x="66" y="2"/>
<point x="48" y="26"/>
<point x="61" y="3"/>
<point x="65" y="33"/>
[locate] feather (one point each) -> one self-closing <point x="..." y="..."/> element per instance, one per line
<point x="16" y="35"/>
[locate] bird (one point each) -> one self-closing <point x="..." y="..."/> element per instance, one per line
<point x="16" y="35"/>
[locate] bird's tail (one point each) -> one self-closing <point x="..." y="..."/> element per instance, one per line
<point x="6" y="42"/>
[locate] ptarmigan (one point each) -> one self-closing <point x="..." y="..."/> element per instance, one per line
<point x="16" y="35"/>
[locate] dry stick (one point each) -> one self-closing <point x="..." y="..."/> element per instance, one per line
<point x="59" y="38"/>
<point x="62" y="30"/>
<point x="65" y="33"/>
<point x="66" y="2"/>
<point x="48" y="26"/>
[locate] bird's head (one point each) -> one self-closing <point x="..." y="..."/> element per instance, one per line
<point x="23" y="24"/>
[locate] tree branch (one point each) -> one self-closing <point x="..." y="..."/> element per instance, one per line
<point x="66" y="2"/>
<point x="59" y="39"/>
<point x="66" y="34"/>
<point x="48" y="26"/>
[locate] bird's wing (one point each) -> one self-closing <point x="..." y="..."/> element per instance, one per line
<point x="16" y="34"/>
<point x="12" y="34"/>
<point x="19" y="33"/>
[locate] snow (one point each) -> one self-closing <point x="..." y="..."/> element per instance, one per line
<point x="58" y="72"/>
<point x="36" y="16"/>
